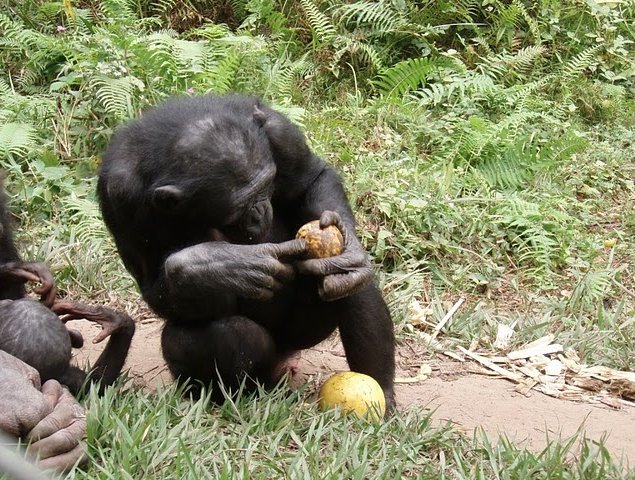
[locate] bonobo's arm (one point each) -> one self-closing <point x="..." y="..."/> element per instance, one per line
<point x="311" y="189"/>
<point x="206" y="278"/>
<point x="116" y="325"/>
<point x="18" y="273"/>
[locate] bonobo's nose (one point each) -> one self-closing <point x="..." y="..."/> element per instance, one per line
<point x="258" y="221"/>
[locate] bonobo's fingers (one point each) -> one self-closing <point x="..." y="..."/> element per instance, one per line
<point x="329" y="217"/>
<point x="39" y="272"/>
<point x="344" y="274"/>
<point x="334" y="287"/>
<point x="47" y="289"/>
<point x="346" y="262"/>
<point x="52" y="391"/>
<point x="67" y="414"/>
<point x="58" y="439"/>
<point x="290" y="248"/>
<point x="65" y="461"/>
<point x="109" y="320"/>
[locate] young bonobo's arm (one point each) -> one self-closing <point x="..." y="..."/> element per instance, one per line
<point x="314" y="190"/>
<point x="116" y="325"/>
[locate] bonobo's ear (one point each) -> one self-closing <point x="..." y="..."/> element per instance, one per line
<point x="167" y="197"/>
<point x="259" y="116"/>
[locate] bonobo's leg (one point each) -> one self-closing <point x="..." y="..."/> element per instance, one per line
<point x="233" y="348"/>
<point x="365" y="327"/>
<point x="116" y="325"/>
<point x="367" y="333"/>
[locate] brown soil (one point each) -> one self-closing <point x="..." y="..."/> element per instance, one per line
<point x="453" y="394"/>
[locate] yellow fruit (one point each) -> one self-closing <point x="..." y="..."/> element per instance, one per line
<point x="321" y="242"/>
<point x="353" y="392"/>
<point x="610" y="242"/>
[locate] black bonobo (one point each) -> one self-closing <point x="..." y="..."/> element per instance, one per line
<point x="203" y="197"/>
<point x="34" y="332"/>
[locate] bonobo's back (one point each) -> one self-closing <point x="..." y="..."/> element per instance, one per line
<point x="33" y="333"/>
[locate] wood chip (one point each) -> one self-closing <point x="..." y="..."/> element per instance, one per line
<point x="447" y="317"/>
<point x="503" y="336"/>
<point x="535" y="350"/>
<point x="554" y="368"/>
<point x="525" y="387"/>
<point x="453" y="355"/>
<point x="514" y="377"/>
<point x="622" y="388"/>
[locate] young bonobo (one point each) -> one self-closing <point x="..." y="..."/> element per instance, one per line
<point x="36" y="335"/>
<point x="33" y="332"/>
<point x="203" y="197"/>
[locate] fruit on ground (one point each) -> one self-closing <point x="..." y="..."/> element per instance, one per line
<point x="353" y="392"/>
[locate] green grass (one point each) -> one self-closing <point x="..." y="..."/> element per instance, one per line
<point x="282" y="435"/>
<point x="487" y="148"/>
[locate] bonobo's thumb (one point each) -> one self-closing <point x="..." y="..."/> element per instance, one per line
<point x="291" y="248"/>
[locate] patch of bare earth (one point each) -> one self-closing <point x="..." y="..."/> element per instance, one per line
<point x="451" y="392"/>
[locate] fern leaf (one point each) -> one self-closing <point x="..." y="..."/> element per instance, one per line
<point x="405" y="76"/>
<point x="321" y="25"/>
<point x="17" y="139"/>
<point x="380" y="15"/>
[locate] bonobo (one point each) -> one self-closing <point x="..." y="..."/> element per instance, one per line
<point x="33" y="332"/>
<point x="203" y="197"/>
<point x="36" y="335"/>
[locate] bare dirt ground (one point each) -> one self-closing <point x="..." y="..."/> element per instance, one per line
<point x="453" y="394"/>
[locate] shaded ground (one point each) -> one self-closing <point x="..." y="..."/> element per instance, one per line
<point x="469" y="401"/>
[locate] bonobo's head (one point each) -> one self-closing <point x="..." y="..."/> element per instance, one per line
<point x="220" y="176"/>
<point x="33" y="333"/>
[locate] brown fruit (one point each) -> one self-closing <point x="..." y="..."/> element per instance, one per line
<point x="322" y="242"/>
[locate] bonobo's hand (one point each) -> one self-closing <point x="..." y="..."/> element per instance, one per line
<point x="344" y="274"/>
<point x="248" y="271"/>
<point x="21" y="403"/>
<point x="32" y="272"/>
<point x="58" y="440"/>
<point x="50" y="418"/>
<point x="110" y="321"/>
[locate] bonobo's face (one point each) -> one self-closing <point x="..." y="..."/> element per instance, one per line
<point x="222" y="179"/>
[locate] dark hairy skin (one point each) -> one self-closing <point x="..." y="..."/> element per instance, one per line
<point x="203" y="197"/>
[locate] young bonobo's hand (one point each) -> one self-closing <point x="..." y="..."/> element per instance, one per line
<point x="32" y="272"/>
<point x="344" y="274"/>
<point x="248" y="271"/>
<point x="110" y="321"/>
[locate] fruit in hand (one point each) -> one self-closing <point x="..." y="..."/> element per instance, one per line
<point x="321" y="242"/>
<point x="353" y="392"/>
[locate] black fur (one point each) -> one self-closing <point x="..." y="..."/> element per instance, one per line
<point x="200" y="194"/>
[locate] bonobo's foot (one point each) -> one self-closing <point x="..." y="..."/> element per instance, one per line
<point x="111" y="322"/>
<point x="287" y="367"/>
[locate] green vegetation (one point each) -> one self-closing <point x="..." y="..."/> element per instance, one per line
<point x="487" y="146"/>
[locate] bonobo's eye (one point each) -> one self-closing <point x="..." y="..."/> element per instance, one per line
<point x="167" y="197"/>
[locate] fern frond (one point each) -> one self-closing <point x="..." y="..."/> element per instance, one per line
<point x="405" y="76"/>
<point x="17" y="139"/>
<point x="116" y="94"/>
<point x="322" y="27"/>
<point x="380" y="15"/>
<point x="580" y="62"/>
